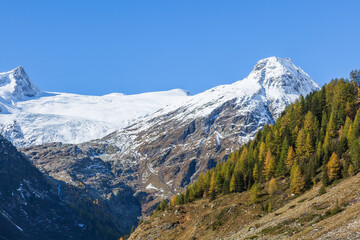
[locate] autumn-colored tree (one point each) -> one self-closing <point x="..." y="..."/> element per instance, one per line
<point x="351" y="170"/>
<point x="256" y="172"/>
<point x="297" y="180"/>
<point x="212" y="183"/>
<point x="254" y="193"/>
<point x="309" y="148"/>
<point x="291" y="157"/>
<point x="331" y="128"/>
<point x="269" y="166"/>
<point x="273" y="187"/>
<point x="262" y="152"/>
<point x="300" y="145"/>
<point x="333" y="167"/>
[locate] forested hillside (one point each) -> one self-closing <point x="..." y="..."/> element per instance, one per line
<point x="315" y="139"/>
<point x="262" y="188"/>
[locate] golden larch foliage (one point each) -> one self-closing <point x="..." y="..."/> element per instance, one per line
<point x="333" y="167"/>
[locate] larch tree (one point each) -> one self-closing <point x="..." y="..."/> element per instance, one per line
<point x="273" y="187"/>
<point x="291" y="157"/>
<point x="297" y="184"/>
<point x="333" y="167"/>
<point x="255" y="173"/>
<point x="269" y="166"/>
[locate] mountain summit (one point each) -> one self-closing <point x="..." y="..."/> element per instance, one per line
<point x="16" y="85"/>
<point x="163" y="152"/>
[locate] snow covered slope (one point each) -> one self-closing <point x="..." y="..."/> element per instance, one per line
<point x="30" y="116"/>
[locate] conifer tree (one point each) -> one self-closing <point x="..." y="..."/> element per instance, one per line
<point x="309" y="149"/>
<point x="351" y="170"/>
<point x="291" y="157"/>
<point x="355" y="154"/>
<point x="232" y="183"/>
<point x="256" y="173"/>
<point x="297" y="180"/>
<point x="356" y="124"/>
<point x="262" y="152"/>
<point x="273" y="187"/>
<point x="254" y="193"/>
<point x="300" y="145"/>
<point x="333" y="167"/>
<point x="281" y="169"/>
<point x="218" y="183"/>
<point x="269" y="166"/>
<point x="323" y="127"/>
<point x="331" y="130"/>
<point x="284" y="149"/>
<point x="212" y="183"/>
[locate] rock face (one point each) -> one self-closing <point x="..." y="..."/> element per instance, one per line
<point x="29" y="209"/>
<point x="162" y="153"/>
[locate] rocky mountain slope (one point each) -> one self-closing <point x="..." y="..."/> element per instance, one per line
<point x="29" y="116"/>
<point x="155" y="157"/>
<point x="332" y="215"/>
<point x="29" y="208"/>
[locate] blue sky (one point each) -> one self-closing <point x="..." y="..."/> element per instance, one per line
<point x="98" y="47"/>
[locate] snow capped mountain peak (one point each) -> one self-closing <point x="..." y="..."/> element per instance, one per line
<point x="16" y="85"/>
<point x="275" y="72"/>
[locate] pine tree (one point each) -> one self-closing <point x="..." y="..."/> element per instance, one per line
<point x="232" y="183"/>
<point x="356" y="124"/>
<point x="212" y="183"/>
<point x="256" y="173"/>
<point x="273" y="187"/>
<point x="351" y="170"/>
<point x="281" y="169"/>
<point x="355" y="154"/>
<point x="309" y="149"/>
<point x="284" y="149"/>
<point x="269" y="166"/>
<point x="297" y="180"/>
<point x="291" y="157"/>
<point x="262" y="152"/>
<point x="254" y="193"/>
<point x="218" y="183"/>
<point x="333" y="167"/>
<point x="331" y="129"/>
<point x="300" y="145"/>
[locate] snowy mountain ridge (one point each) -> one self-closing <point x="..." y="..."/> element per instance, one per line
<point x="29" y="116"/>
<point x="159" y="154"/>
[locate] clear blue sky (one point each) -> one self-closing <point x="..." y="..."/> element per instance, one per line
<point x="98" y="47"/>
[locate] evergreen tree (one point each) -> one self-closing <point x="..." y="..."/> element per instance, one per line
<point x="212" y="183"/>
<point x="256" y="173"/>
<point x="232" y="183"/>
<point x="284" y="149"/>
<point x="331" y="130"/>
<point x="309" y="149"/>
<point x="355" y="154"/>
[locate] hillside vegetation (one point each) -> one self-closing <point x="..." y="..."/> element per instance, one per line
<point x="315" y="139"/>
<point x="313" y="144"/>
